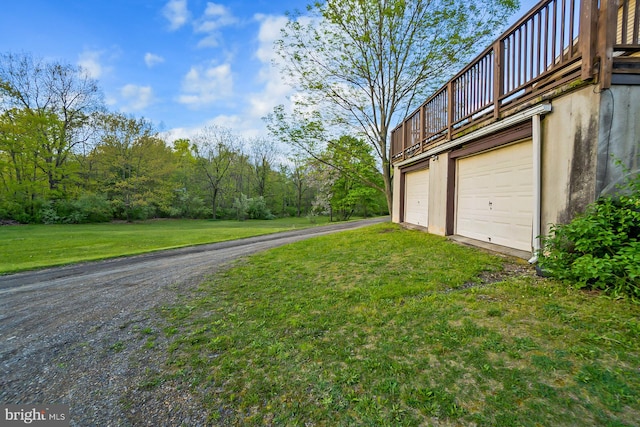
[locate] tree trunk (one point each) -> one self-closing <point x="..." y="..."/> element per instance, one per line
<point x="214" y="197"/>
<point x="388" y="184"/>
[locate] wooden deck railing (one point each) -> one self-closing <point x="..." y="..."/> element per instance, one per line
<point x="556" y="43"/>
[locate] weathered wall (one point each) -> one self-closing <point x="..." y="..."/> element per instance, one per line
<point x="569" y="148"/>
<point x="395" y="214"/>
<point x="619" y="137"/>
<point x="438" y="177"/>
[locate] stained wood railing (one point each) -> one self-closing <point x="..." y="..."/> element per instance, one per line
<point x="556" y="43"/>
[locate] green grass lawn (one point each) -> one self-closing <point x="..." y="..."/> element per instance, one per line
<point x="33" y="246"/>
<point x="383" y="327"/>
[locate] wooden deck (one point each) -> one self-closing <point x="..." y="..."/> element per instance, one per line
<point x="556" y="47"/>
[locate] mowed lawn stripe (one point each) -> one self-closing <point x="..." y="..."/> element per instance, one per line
<point x="27" y="247"/>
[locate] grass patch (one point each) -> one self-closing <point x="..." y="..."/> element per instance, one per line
<point x="384" y="326"/>
<point x="35" y="246"/>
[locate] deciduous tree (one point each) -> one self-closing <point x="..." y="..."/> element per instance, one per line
<point x="61" y="99"/>
<point x="133" y="166"/>
<point x="216" y="148"/>
<point x="366" y="63"/>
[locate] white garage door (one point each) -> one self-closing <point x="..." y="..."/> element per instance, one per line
<point x="417" y="197"/>
<point x="495" y="196"/>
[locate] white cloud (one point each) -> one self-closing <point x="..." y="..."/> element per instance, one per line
<point x="136" y="97"/>
<point x="204" y="86"/>
<point x="110" y="100"/>
<point x="275" y="91"/>
<point x="239" y="124"/>
<point x="180" y="133"/>
<point x="216" y="16"/>
<point x="176" y="13"/>
<point x="269" y="32"/>
<point x="89" y="60"/>
<point x="152" y="59"/>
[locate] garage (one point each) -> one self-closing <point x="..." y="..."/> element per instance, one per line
<point x="494" y="200"/>
<point x="417" y="197"/>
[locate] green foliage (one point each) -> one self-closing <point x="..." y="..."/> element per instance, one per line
<point x="600" y="249"/>
<point x="258" y="209"/>
<point x="89" y="208"/>
<point x="347" y="179"/>
<point x="241" y="205"/>
<point x="363" y="64"/>
<point x="55" y="160"/>
<point x="252" y="208"/>
<point x="187" y="205"/>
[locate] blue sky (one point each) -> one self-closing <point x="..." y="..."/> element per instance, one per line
<point x="183" y="64"/>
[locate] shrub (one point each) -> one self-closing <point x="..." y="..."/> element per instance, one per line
<point x="49" y="215"/>
<point x="88" y="208"/>
<point x="258" y="209"/>
<point x="187" y="205"/>
<point x="94" y="208"/>
<point x="599" y="249"/>
<point x="241" y="205"/>
<point x="252" y="208"/>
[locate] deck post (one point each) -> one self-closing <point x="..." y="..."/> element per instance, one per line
<point x="606" y="38"/>
<point x="450" y="109"/>
<point x="588" y="36"/>
<point x="423" y="126"/>
<point x="404" y="139"/>
<point x="498" y="74"/>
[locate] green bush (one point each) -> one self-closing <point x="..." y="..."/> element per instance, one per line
<point x="258" y="209"/>
<point x="186" y="205"/>
<point x="252" y="208"/>
<point x="599" y="249"/>
<point x="88" y="208"/>
<point x="241" y="205"/>
<point x="94" y="208"/>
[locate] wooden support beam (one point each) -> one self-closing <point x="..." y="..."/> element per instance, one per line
<point x="404" y="140"/>
<point x="607" y="21"/>
<point x="423" y="126"/>
<point x="498" y="75"/>
<point x="451" y="97"/>
<point x="588" y="33"/>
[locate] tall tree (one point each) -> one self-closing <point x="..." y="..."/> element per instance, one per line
<point x="23" y="183"/>
<point x="343" y="192"/>
<point x="299" y="176"/>
<point x="187" y="200"/>
<point x="60" y="97"/>
<point x="216" y="148"/>
<point x="133" y="166"/>
<point x="366" y="63"/>
<point x="263" y="156"/>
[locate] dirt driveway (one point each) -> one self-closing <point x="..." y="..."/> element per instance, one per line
<point x="75" y="335"/>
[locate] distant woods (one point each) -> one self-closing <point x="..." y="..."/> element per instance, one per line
<point x="64" y="158"/>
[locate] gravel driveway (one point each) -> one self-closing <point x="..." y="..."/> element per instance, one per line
<point x="75" y="335"/>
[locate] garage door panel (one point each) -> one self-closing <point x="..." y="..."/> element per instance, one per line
<point x="417" y="197"/>
<point x="495" y="195"/>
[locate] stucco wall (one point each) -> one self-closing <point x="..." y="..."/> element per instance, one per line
<point x="395" y="214"/>
<point x="619" y="137"/>
<point x="581" y="139"/>
<point x="569" y="148"/>
<point x="438" y="175"/>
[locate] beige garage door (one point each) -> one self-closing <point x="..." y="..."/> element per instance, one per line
<point x="417" y="197"/>
<point x="495" y="196"/>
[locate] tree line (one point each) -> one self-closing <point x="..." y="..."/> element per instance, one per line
<point x="64" y="158"/>
<point x="360" y="67"/>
